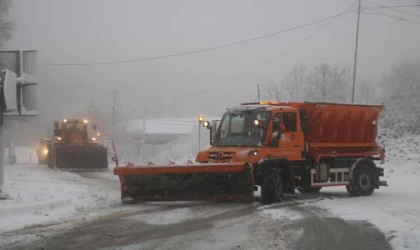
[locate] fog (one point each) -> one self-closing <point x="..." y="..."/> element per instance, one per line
<point x="81" y="31"/>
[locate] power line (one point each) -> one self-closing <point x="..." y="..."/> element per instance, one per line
<point x="404" y="6"/>
<point x="391" y="16"/>
<point x="262" y="65"/>
<point x="194" y="51"/>
<point x="390" y="7"/>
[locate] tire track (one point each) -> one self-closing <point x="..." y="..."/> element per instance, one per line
<point x="323" y="231"/>
<point x="117" y="229"/>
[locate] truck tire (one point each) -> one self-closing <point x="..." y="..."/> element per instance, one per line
<point x="364" y="181"/>
<point x="307" y="190"/>
<point x="272" y="189"/>
<point x="352" y="191"/>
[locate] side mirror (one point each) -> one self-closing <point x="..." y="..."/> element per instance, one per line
<point x="213" y="129"/>
<point x="276" y="134"/>
<point x="94" y="126"/>
<point x="56" y="125"/>
<point x="275" y="139"/>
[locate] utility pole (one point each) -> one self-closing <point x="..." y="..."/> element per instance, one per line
<point x="258" y="90"/>
<point x="2" y="192"/>
<point x="114" y="110"/>
<point x="355" y="53"/>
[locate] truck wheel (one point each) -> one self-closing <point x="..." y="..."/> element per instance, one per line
<point x="352" y="191"/>
<point x="364" y="182"/>
<point x="308" y="190"/>
<point x="271" y="189"/>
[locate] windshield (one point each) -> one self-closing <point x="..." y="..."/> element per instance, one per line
<point x="74" y="127"/>
<point x="238" y="129"/>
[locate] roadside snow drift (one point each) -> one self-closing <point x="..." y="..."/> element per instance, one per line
<point x="40" y="195"/>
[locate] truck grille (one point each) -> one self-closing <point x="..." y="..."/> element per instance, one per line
<point x="221" y="156"/>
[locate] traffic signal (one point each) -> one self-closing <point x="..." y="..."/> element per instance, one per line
<point x="18" y="79"/>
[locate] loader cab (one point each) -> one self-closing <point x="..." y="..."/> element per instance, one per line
<point x="73" y="131"/>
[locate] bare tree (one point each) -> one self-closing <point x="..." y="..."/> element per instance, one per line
<point x="318" y="87"/>
<point x="326" y="83"/>
<point x="340" y="84"/>
<point x="6" y="27"/>
<point x="294" y="82"/>
<point x="273" y="91"/>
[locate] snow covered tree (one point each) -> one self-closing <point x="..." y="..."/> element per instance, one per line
<point x="366" y="92"/>
<point x="402" y="95"/>
<point x="6" y="27"/>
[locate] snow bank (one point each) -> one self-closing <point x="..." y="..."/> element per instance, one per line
<point x="40" y="195"/>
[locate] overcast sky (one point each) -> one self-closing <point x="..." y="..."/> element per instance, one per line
<point x="79" y="31"/>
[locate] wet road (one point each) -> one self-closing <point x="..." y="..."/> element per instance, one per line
<point x="291" y="224"/>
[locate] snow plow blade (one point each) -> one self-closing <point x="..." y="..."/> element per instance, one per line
<point x="201" y="182"/>
<point x="80" y="158"/>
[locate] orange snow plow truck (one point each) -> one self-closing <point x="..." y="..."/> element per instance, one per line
<point x="278" y="146"/>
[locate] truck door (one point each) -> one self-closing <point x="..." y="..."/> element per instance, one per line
<point x="291" y="141"/>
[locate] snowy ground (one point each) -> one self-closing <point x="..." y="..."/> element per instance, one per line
<point x="394" y="209"/>
<point x="43" y="196"/>
<point x="38" y="194"/>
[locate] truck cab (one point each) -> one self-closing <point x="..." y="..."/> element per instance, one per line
<point x="263" y="130"/>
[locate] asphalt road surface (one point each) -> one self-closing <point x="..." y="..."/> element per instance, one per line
<point x="295" y="223"/>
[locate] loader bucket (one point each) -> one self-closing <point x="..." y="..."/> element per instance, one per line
<point x="228" y="181"/>
<point x="80" y="158"/>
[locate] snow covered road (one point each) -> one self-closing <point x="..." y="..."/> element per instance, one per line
<point x="55" y="210"/>
<point x="215" y="226"/>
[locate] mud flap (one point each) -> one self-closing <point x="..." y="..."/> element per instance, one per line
<point x="187" y="183"/>
<point x="81" y="158"/>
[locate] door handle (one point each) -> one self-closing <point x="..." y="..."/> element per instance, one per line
<point x="296" y="146"/>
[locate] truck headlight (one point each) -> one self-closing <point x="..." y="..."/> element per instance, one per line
<point x="253" y="153"/>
